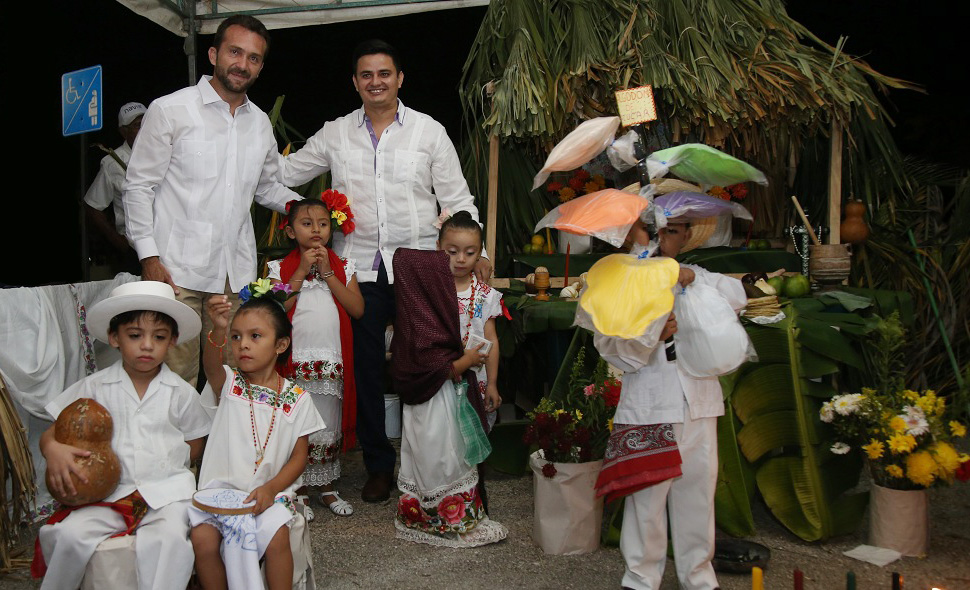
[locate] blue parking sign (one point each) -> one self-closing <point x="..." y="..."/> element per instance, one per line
<point x="81" y="100"/>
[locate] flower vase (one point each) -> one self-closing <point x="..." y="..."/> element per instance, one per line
<point x="568" y="515"/>
<point x="899" y="520"/>
<point x="577" y="244"/>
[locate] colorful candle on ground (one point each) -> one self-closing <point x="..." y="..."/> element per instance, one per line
<point x="799" y="580"/>
<point x="757" y="579"/>
<point x="850" y="581"/>
<point x="897" y="581"/>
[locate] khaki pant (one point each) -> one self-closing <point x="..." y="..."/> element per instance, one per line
<point x="185" y="358"/>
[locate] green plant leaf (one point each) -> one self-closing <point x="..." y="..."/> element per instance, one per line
<point x="735" y="476"/>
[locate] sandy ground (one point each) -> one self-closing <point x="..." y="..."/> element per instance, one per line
<point x="361" y="551"/>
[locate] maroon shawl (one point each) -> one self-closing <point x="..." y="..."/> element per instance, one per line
<point x="427" y="337"/>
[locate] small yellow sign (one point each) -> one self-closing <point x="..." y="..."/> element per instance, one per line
<point x="636" y="105"/>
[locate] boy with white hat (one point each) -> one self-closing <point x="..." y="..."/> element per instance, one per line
<point x="159" y="428"/>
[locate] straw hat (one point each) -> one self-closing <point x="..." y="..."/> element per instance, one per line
<point x="139" y="296"/>
<point x="701" y="228"/>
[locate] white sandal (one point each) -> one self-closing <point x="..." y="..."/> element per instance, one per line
<point x="340" y="507"/>
<point x="307" y="511"/>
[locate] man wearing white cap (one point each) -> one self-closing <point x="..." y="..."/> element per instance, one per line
<point x="204" y="155"/>
<point x="108" y="184"/>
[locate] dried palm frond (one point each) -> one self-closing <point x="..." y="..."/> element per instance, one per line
<point x="17" y="475"/>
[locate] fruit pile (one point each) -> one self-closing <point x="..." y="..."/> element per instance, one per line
<point x="538" y="245"/>
<point x="760" y="284"/>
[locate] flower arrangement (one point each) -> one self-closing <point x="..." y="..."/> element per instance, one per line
<point x="576" y="428"/>
<point x="279" y="292"/>
<point x="734" y="192"/>
<point x="905" y="437"/>
<point x="581" y="183"/>
<point x="340" y="211"/>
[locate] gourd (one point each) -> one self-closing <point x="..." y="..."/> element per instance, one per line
<point x="87" y="425"/>
<point x="854" y="229"/>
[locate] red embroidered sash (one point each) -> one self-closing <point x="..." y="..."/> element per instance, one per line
<point x="637" y="457"/>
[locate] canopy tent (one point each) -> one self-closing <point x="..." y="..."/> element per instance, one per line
<point x="178" y="15"/>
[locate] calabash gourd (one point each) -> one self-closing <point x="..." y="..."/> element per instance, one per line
<point x="87" y="425"/>
<point x="853" y="229"/>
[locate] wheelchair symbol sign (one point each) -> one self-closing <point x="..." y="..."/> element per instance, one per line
<point x="81" y="101"/>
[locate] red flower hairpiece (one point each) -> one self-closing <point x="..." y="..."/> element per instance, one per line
<point x="340" y="211"/>
<point x="286" y="217"/>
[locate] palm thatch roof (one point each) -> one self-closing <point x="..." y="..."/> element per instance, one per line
<point x="740" y="75"/>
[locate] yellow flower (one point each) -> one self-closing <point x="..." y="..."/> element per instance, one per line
<point x="921" y="468"/>
<point x="874" y="449"/>
<point x="902" y="443"/>
<point x="868" y="391"/>
<point x="927" y="403"/>
<point x="609" y="424"/>
<point x="897" y="424"/>
<point x="940" y="407"/>
<point x="947" y="459"/>
<point x="261" y="287"/>
<point x="579" y="415"/>
<point x="559" y="412"/>
<point x="566" y="194"/>
<point x="340" y="216"/>
<point x="910" y="395"/>
<point x="894" y="470"/>
<point x="957" y="429"/>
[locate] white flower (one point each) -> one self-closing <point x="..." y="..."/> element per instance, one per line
<point x="840" y="448"/>
<point x="847" y="404"/>
<point x="916" y="423"/>
<point x="827" y="413"/>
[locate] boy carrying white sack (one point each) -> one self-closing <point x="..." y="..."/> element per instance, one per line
<point x="663" y="409"/>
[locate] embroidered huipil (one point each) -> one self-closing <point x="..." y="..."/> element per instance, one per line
<point x="394" y="188"/>
<point x="192" y="177"/>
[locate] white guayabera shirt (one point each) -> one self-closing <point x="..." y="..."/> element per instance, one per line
<point x="394" y="188"/>
<point x="194" y="172"/>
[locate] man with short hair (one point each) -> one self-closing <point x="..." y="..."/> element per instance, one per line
<point x="398" y="167"/>
<point x="107" y="187"/>
<point x="203" y="154"/>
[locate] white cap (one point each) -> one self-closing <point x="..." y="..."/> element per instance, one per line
<point x="129" y="112"/>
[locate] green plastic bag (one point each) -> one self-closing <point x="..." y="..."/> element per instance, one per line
<point x="703" y="164"/>
<point x="477" y="447"/>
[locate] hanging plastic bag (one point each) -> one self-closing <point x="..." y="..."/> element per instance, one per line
<point x="477" y="447"/>
<point x="710" y="339"/>
<point x="581" y="145"/>
<point x="622" y="153"/>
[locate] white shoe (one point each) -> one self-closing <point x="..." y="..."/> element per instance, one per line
<point x="307" y="511"/>
<point x="340" y="507"/>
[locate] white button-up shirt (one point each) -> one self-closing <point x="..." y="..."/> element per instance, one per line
<point x="191" y="181"/>
<point x="394" y="189"/>
<point x="654" y="389"/>
<point x="107" y="186"/>
<point x="149" y="434"/>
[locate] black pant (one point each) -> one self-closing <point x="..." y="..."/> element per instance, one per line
<point x="369" y="349"/>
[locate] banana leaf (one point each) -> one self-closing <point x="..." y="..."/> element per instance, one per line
<point x="781" y="438"/>
<point x="735" y="475"/>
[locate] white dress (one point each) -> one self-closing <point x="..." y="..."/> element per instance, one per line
<point x="250" y="421"/>
<point x="487" y="306"/>
<point x="319" y="367"/>
<point x="440" y="504"/>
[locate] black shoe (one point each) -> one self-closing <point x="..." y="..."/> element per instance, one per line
<point x="378" y="487"/>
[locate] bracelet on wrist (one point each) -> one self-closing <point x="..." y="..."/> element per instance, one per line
<point x="225" y="339"/>
<point x="327" y="275"/>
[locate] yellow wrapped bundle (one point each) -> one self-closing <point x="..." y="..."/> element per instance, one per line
<point x="628" y="297"/>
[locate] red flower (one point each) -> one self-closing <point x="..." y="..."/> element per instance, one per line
<point x="549" y="470"/>
<point x="582" y="174"/>
<point x="738" y="191"/>
<point x="576" y="183"/>
<point x="565" y="419"/>
<point x="553" y="186"/>
<point x="582" y="435"/>
<point x="611" y="393"/>
<point x="286" y="408"/>
<point x="339" y="207"/>
<point x="529" y="436"/>
<point x="963" y="472"/>
<point x="452" y="509"/>
<point x="410" y="509"/>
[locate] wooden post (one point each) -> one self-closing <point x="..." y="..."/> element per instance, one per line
<point x="491" y="221"/>
<point x="835" y="183"/>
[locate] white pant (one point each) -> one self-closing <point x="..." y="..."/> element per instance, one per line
<point x="164" y="552"/>
<point x="689" y="500"/>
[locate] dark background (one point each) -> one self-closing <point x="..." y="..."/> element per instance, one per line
<point x="918" y="41"/>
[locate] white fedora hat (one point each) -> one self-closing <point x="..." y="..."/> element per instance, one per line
<point x="147" y="296"/>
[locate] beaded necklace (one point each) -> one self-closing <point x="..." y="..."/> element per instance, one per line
<point x="261" y="451"/>
<point x="471" y="312"/>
